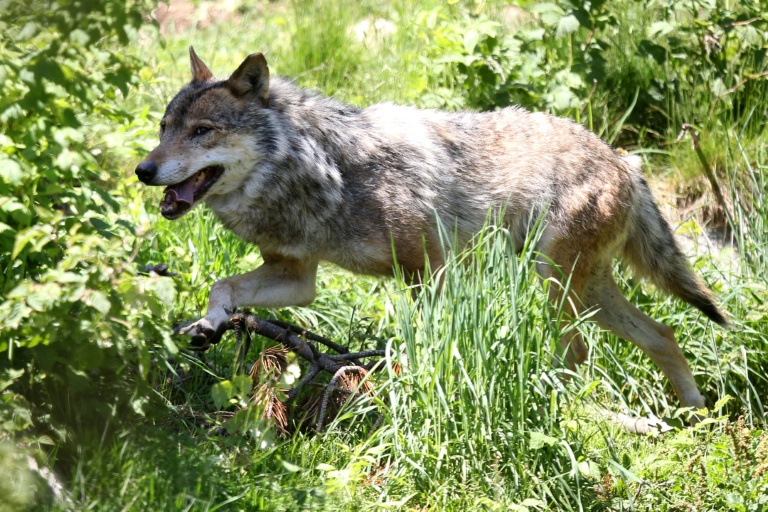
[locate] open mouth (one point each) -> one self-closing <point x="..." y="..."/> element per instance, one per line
<point x="181" y="197"/>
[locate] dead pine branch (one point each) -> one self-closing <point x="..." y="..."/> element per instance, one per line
<point x="350" y="376"/>
<point x="348" y="379"/>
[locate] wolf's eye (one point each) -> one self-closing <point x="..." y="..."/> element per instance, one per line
<point x="201" y="130"/>
<point x="162" y="126"/>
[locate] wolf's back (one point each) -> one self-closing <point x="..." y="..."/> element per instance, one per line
<point x="652" y="251"/>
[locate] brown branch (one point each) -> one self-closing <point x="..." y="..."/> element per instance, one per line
<point x="589" y="97"/>
<point x="290" y="340"/>
<point x="131" y="258"/>
<point x="744" y="81"/>
<point x="299" y="341"/>
<point x="744" y="22"/>
<point x="340" y="374"/>
<point x="734" y="89"/>
<point x="311" y="336"/>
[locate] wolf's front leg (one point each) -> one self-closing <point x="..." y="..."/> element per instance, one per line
<point x="279" y="282"/>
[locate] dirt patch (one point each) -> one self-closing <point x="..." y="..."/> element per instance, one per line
<point x="180" y="15"/>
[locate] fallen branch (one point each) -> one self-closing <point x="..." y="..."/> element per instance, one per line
<point x="303" y="343"/>
<point x="286" y="335"/>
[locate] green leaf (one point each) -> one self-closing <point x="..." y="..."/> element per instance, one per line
<point x="163" y="288"/>
<point x="222" y="392"/>
<point x="9" y="377"/>
<point x="291" y="468"/>
<point x="102" y="227"/>
<point x="568" y="24"/>
<point x="65" y="277"/>
<point x="126" y="224"/>
<point x="11" y="172"/>
<point x="550" y="13"/>
<point x="63" y="136"/>
<point x="35" y="234"/>
<point x="243" y="384"/>
<point x="562" y="98"/>
<point x="721" y="403"/>
<point x="49" y="70"/>
<point x="44" y="296"/>
<point x="590" y="469"/>
<point x="245" y="421"/>
<point x="539" y="440"/>
<point x="79" y="37"/>
<point x="470" y="41"/>
<point x="99" y="301"/>
<point x="749" y="36"/>
<point x="77" y="380"/>
<point x="19" y="292"/>
<point x="589" y="388"/>
<point x="89" y="356"/>
<point x="533" y="34"/>
<point x="452" y="58"/>
<point x="660" y="29"/>
<point x="5" y="227"/>
<point x="652" y="50"/>
<point x="99" y="223"/>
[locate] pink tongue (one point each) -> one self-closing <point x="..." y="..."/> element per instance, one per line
<point x="183" y="192"/>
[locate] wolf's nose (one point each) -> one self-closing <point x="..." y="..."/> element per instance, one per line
<point x="146" y="171"/>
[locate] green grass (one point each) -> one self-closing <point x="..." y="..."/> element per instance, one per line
<point x="471" y="424"/>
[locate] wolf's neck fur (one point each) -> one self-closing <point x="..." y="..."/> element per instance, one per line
<point x="292" y="198"/>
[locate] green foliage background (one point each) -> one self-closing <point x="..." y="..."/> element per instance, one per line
<point x="78" y="323"/>
<point x="93" y="385"/>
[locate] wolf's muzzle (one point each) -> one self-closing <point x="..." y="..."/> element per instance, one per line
<point x="146" y="171"/>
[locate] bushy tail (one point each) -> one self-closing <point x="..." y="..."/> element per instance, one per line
<point x="652" y="250"/>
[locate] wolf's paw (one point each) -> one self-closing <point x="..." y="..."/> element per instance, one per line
<point x="205" y="333"/>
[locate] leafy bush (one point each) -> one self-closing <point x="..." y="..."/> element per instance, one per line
<point x="708" y="47"/>
<point x="475" y="64"/>
<point x="688" y="61"/>
<point x="75" y="314"/>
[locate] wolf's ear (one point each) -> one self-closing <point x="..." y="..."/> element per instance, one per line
<point x="252" y="77"/>
<point x="200" y="72"/>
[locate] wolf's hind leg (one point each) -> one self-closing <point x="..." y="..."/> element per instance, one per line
<point x="657" y="340"/>
<point x="571" y="349"/>
<point x="565" y="278"/>
<point x="279" y="282"/>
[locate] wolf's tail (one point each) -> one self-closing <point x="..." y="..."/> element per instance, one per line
<point x="652" y="251"/>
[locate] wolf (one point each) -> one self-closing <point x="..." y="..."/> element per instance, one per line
<point x="309" y="179"/>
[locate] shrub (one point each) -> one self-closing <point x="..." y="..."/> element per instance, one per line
<point x="77" y="319"/>
<point x="655" y="64"/>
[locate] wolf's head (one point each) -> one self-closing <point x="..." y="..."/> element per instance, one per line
<point x="206" y="141"/>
